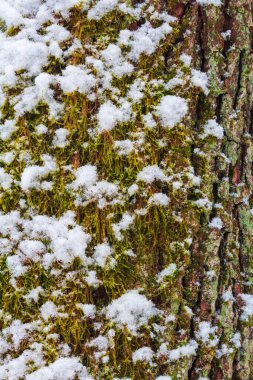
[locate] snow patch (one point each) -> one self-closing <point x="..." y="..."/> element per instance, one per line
<point x="171" y="110"/>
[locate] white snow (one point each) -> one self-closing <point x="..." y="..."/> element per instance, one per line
<point x="7" y="129"/>
<point x="236" y="339"/>
<point x="159" y="199"/>
<point x="125" y="222"/>
<point x="89" y="310"/>
<point x="216" y="223"/>
<point x="213" y="128"/>
<point x="62" y="368"/>
<point x="132" y="310"/>
<point x="149" y="121"/>
<point x="186" y="59"/>
<point x="109" y="115"/>
<point x="248" y="306"/>
<point x="145" y="39"/>
<point x="5" y="179"/>
<point x="171" y="110"/>
<point x="200" y="79"/>
<point x="206" y="334"/>
<point x="133" y="189"/>
<point x="65" y="240"/>
<point x="151" y="173"/>
<point x="228" y="296"/>
<point x="102" y="253"/>
<point x="187" y="350"/>
<point x="60" y="138"/>
<point x="101" y="8"/>
<point x="34" y="294"/>
<point x="209" y="2"/>
<point x="124" y="147"/>
<point x="32" y="175"/>
<point x="41" y="129"/>
<point x="75" y="78"/>
<point x="86" y="176"/>
<point x="48" y="310"/>
<point x="168" y="271"/>
<point x="144" y="354"/>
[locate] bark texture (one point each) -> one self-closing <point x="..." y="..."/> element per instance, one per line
<point x="118" y="238"/>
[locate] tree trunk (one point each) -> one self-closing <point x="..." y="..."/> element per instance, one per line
<point x="126" y="190"/>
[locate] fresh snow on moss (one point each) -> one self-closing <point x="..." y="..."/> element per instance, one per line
<point x="213" y="128"/>
<point x="151" y="173"/>
<point x="63" y="368"/>
<point x="216" y="223"/>
<point x="200" y="79"/>
<point x="144" y="354"/>
<point x="210" y="2"/>
<point x="171" y="110"/>
<point x="132" y="310"/>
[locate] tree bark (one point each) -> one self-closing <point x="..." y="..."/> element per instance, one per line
<point x="200" y="322"/>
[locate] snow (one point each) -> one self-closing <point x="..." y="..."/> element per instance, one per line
<point x="133" y="189"/>
<point x="224" y="351"/>
<point x="186" y="59"/>
<point x="159" y="199"/>
<point x="86" y="176"/>
<point x="75" y="78"/>
<point x="151" y="173"/>
<point x="7" y="129"/>
<point x="228" y="296"/>
<point x="200" y="79"/>
<point x="216" y="223"/>
<point x="32" y="175"/>
<point x="132" y="310"/>
<point x="23" y="54"/>
<point x="101" y="191"/>
<point x="206" y="334"/>
<point x="124" y="147"/>
<point x="62" y="368"/>
<point x="60" y="138"/>
<point x="65" y="240"/>
<point x="145" y="39"/>
<point x="125" y="222"/>
<point x="16" y="368"/>
<point x="149" y="121"/>
<point x="31" y="249"/>
<point x="47" y="60"/>
<point x="226" y="35"/>
<point x="48" y="310"/>
<point x="34" y="294"/>
<point x="168" y="271"/>
<point x="5" y="180"/>
<point x="101" y="342"/>
<point x="89" y="310"/>
<point x="109" y="115"/>
<point x="203" y="202"/>
<point x="17" y="332"/>
<point x="101" y="8"/>
<point x="187" y="350"/>
<point x="92" y="279"/>
<point x="171" y="110"/>
<point x="213" y="128"/>
<point x="102" y="252"/>
<point x="209" y="2"/>
<point x="144" y="354"/>
<point x="41" y="129"/>
<point x="236" y="339"/>
<point x="248" y="306"/>
<point x="7" y="157"/>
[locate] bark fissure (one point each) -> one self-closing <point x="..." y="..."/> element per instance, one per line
<point x="239" y="78"/>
